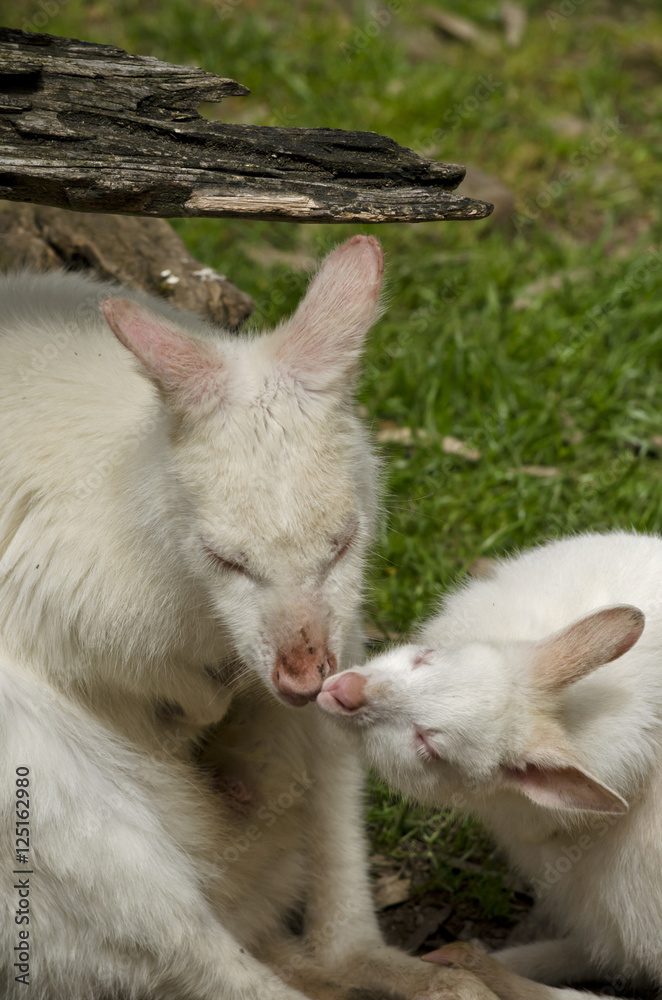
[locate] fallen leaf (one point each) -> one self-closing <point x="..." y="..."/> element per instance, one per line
<point x="267" y="256"/>
<point x="453" y="446"/>
<point x="513" y="17"/>
<point x="374" y="633"/>
<point x="541" y="471"/>
<point x="627" y="233"/>
<point x="569" y="125"/>
<point x="460" y="28"/>
<point x="391" y="889"/>
<point x="486" y="187"/>
<point x="432" y="921"/>
<point x="551" y="282"/>
<point x="573" y="434"/>
<point x="390" y="433"/>
<point x="483" y="568"/>
<point x="382" y="861"/>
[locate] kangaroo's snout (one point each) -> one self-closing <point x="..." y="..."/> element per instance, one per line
<point x="302" y="667"/>
<point x="346" y="692"/>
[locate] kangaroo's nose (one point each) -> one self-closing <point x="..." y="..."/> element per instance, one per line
<point x="300" y="671"/>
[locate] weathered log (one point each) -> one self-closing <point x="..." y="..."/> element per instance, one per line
<point x="146" y="254"/>
<point x="92" y="128"/>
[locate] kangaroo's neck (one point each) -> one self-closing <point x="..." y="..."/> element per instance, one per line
<point x="94" y="581"/>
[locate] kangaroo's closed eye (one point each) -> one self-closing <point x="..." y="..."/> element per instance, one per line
<point x="232" y="565"/>
<point x="343" y="542"/>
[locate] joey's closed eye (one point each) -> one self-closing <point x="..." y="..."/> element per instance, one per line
<point x="423" y="743"/>
<point x="233" y="564"/>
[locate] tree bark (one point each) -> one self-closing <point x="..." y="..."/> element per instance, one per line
<point x="92" y="128"/>
<point x="145" y="254"/>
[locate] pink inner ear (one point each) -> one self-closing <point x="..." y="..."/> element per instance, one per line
<point x="575" y="651"/>
<point x="323" y="339"/>
<point x="565" y="787"/>
<point x="181" y="365"/>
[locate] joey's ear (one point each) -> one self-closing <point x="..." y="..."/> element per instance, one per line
<point x="599" y="638"/>
<point x="321" y="343"/>
<point x="565" y="786"/>
<point x="187" y="371"/>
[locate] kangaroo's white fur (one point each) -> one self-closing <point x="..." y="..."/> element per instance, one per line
<point x="182" y="534"/>
<point x="500" y="709"/>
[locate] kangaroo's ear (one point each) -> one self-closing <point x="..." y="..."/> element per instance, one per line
<point x="551" y="773"/>
<point x="321" y="343"/>
<point x="599" y="638"/>
<point x="187" y="371"/>
<point x="565" y="786"/>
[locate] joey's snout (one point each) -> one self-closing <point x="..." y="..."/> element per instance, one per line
<point x="344" y="693"/>
<point x="302" y="666"/>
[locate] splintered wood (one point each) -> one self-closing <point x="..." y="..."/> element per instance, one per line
<point x="93" y="128"/>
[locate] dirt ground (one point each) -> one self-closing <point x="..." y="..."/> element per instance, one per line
<point x="434" y="919"/>
<point x="422" y="920"/>
<point x="430" y="920"/>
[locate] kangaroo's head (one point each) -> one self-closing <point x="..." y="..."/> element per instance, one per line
<point x="276" y="476"/>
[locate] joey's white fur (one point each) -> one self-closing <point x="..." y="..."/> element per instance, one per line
<point x="183" y="521"/>
<point x="533" y="700"/>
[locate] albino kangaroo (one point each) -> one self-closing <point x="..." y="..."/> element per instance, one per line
<point x="534" y="701"/>
<point x="183" y="522"/>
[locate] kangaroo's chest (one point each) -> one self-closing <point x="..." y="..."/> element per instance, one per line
<point x="259" y="762"/>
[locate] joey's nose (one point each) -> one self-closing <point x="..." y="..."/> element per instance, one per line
<point x="344" y="693"/>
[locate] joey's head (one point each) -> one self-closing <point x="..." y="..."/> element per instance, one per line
<point x="456" y="725"/>
<point x="431" y="722"/>
<point x="277" y="481"/>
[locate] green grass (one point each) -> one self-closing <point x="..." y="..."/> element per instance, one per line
<point x="441" y="852"/>
<point x="571" y="378"/>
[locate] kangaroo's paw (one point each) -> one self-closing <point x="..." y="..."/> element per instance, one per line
<point x="506" y="984"/>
